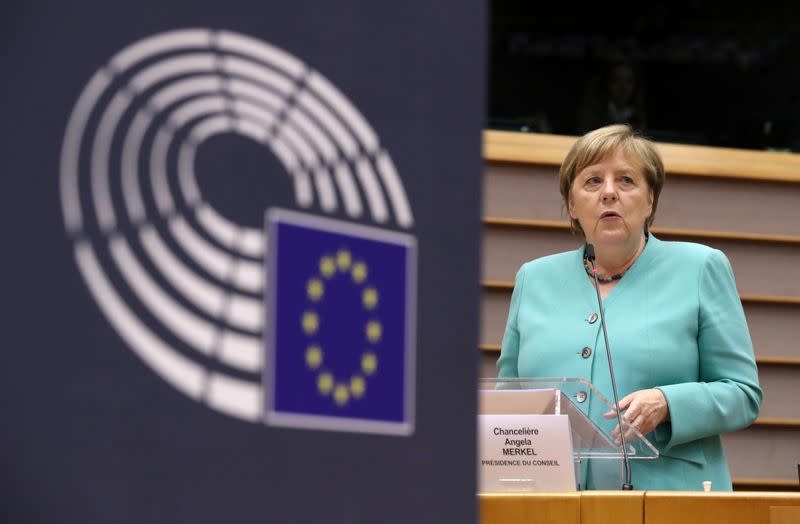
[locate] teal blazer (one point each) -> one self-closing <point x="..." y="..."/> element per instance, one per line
<point x="675" y="322"/>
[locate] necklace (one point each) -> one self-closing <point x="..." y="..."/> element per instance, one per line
<point x="612" y="278"/>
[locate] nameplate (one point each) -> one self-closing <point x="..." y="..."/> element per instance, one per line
<point x="525" y="453"/>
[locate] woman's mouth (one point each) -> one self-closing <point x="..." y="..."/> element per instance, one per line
<point x="610" y="215"/>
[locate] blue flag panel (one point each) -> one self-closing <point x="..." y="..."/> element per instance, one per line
<point x="339" y="326"/>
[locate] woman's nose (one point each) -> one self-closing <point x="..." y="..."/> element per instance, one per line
<point x="609" y="192"/>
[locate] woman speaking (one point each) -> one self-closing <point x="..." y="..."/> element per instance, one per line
<point x="681" y="349"/>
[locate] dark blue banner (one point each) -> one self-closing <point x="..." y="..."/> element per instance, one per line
<point x="169" y="358"/>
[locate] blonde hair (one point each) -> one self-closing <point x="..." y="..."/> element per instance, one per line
<point x="597" y="145"/>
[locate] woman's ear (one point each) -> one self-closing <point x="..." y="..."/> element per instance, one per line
<point x="571" y="207"/>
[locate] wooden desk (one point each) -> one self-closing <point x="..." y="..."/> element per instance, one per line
<point x="639" y="507"/>
<point x="754" y="507"/>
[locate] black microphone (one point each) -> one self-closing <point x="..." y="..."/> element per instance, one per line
<point x="627" y="484"/>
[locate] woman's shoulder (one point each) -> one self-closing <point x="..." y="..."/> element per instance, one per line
<point x="550" y="264"/>
<point x="687" y="252"/>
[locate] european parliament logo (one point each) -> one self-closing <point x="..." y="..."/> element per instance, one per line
<point x="339" y="326"/>
<point x="179" y="277"/>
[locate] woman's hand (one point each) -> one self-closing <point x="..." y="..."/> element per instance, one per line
<point x="644" y="409"/>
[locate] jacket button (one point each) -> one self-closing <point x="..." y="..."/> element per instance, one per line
<point x="586" y="352"/>
<point x="592" y="318"/>
<point x="581" y="396"/>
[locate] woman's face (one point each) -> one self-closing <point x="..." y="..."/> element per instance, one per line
<point x="612" y="200"/>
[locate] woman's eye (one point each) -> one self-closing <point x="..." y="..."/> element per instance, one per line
<point x="593" y="180"/>
<point x="627" y="180"/>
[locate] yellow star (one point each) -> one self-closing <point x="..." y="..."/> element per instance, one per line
<point x="310" y="322"/>
<point x="359" y="272"/>
<point x="343" y="259"/>
<point x="325" y="383"/>
<point x="370" y="298"/>
<point x="327" y="266"/>
<point x="315" y="289"/>
<point x="314" y="356"/>
<point x="357" y="386"/>
<point x="369" y="363"/>
<point x="341" y="394"/>
<point x="374" y="331"/>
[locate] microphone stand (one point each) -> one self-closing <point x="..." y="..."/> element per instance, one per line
<point x="627" y="485"/>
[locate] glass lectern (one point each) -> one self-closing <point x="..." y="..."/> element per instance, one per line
<point x="530" y="428"/>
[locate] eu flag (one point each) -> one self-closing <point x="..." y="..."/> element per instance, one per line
<point x="339" y="329"/>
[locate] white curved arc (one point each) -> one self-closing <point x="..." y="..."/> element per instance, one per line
<point x="205" y="86"/>
<point x="336" y="124"/>
<point x="182" y="113"/>
<point x="303" y="191"/>
<point x="246" y="89"/>
<point x="199" y="291"/>
<point x="240" y="351"/>
<point x="100" y="160"/>
<point x="347" y="188"/>
<point x="296" y="142"/>
<point x="285" y="140"/>
<point x="394" y="186"/>
<point x="135" y="134"/>
<point x="187" y="183"/>
<point x="319" y="83"/>
<point x="249" y="241"/>
<point x="234" y="66"/>
<point x="253" y="242"/>
<point x="322" y="144"/>
<point x="304" y="194"/>
<point x="342" y="105"/>
<point x="183" y="374"/>
<point x="131" y="191"/>
<point x="271" y="55"/>
<point x="202" y="62"/>
<point x="327" y="195"/>
<point x="196" y="63"/>
<point x="208" y="63"/>
<point x="329" y="124"/>
<point x="159" y="44"/>
<point x="190" y="328"/>
<point x="310" y="104"/>
<point x="224" y="231"/>
<point x="372" y="189"/>
<point x="216" y="262"/>
<point x="186" y="88"/>
<point x="251" y="129"/>
<point x="308" y="134"/>
<point x="246" y="311"/>
<point x="70" y="151"/>
<point x="203" y="294"/>
<point x="254" y="112"/>
<point x="234" y="397"/>
<point x="285" y="154"/>
<point x="207" y="104"/>
<point x="210" y="126"/>
<point x="243" y="274"/>
<point x="204" y="129"/>
<point x="237" y="350"/>
<point x="158" y="172"/>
